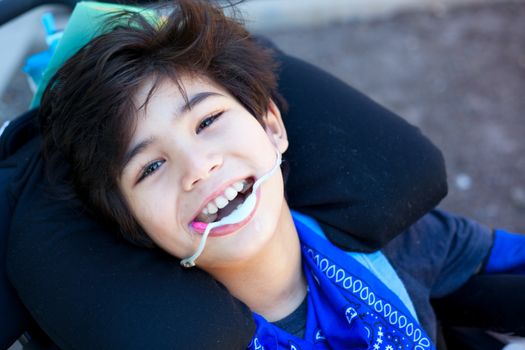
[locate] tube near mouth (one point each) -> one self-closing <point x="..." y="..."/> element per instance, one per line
<point x="236" y="216"/>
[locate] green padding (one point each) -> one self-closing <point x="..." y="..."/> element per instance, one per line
<point x="84" y="24"/>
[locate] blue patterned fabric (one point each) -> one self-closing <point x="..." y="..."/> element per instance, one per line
<point x="376" y="263"/>
<point x="348" y="306"/>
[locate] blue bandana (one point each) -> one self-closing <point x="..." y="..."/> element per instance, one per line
<point x="348" y="306"/>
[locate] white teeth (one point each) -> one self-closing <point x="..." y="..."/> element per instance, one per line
<point x="221" y="202"/>
<point x="238" y="186"/>
<point x="230" y="193"/>
<point x="212" y="208"/>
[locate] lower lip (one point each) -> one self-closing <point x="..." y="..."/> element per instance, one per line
<point x="228" y="229"/>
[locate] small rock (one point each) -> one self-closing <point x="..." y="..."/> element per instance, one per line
<point x="463" y="182"/>
<point x="517" y="194"/>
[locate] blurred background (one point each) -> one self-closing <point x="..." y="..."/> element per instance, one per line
<point x="454" y="68"/>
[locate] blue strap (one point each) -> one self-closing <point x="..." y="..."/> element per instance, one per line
<point x="507" y="254"/>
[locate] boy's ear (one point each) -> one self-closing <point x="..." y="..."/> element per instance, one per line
<point x="274" y="127"/>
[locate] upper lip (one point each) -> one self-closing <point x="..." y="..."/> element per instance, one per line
<point x="219" y="191"/>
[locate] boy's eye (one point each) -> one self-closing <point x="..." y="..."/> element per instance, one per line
<point x="150" y="169"/>
<point x="207" y="122"/>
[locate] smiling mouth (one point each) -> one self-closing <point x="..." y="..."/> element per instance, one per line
<point x="224" y="204"/>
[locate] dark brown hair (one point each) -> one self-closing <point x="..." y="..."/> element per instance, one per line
<point x="87" y="114"/>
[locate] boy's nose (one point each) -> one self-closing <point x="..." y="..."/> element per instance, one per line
<point x="198" y="168"/>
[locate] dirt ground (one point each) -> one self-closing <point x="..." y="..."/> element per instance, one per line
<point x="458" y="75"/>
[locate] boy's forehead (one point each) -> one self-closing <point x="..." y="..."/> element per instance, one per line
<point x="182" y="91"/>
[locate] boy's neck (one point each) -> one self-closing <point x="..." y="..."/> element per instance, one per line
<point x="272" y="284"/>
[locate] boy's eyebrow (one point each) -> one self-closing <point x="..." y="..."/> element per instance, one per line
<point x="196" y="99"/>
<point x="138" y="148"/>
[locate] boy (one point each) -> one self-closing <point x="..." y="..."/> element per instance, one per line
<point x="180" y="121"/>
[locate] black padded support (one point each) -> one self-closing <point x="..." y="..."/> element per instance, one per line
<point x="361" y="170"/>
<point x="494" y="302"/>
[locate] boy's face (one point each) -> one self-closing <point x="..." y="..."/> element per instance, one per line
<point x="186" y="163"/>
